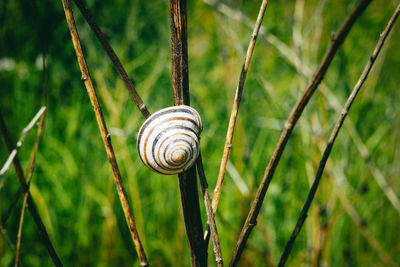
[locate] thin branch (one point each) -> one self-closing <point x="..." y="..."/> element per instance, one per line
<point x="235" y="107"/>
<point x="104" y="133"/>
<point x="337" y="40"/>
<point x="114" y="58"/>
<point x="24" y="133"/>
<point x="339" y="123"/>
<point x="29" y="179"/>
<point x="187" y="179"/>
<point x="30" y="204"/>
<point x="210" y="214"/>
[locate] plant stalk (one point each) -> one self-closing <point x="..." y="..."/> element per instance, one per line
<point x="104" y="133"/>
<point x="319" y="74"/>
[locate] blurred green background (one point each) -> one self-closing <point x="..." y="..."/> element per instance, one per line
<point x="351" y="221"/>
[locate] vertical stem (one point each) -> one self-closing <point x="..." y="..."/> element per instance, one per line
<point x="180" y="68"/>
<point x="187" y="179"/>
<point x="210" y="214"/>
<point x="104" y="133"/>
<point x="234" y="112"/>
<point x="235" y="107"/>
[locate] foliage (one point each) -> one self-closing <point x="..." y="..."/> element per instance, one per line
<point x="73" y="185"/>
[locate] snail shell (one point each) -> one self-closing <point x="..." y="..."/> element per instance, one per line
<point x="168" y="141"/>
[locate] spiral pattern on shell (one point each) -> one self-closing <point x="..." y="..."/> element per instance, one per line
<point x="168" y="141"/>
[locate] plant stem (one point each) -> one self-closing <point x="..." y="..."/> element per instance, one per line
<point x="210" y="214"/>
<point x="335" y="132"/>
<point x="235" y="107"/>
<point x="30" y="204"/>
<point x="29" y="179"/>
<point x="104" y="133"/>
<point x="114" y="58"/>
<point x="337" y="40"/>
<point x="187" y="179"/>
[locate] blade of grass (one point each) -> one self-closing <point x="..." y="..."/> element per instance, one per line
<point x="337" y="40"/>
<point x="30" y="204"/>
<point x="210" y="214"/>
<point x="24" y="133"/>
<point x="335" y="132"/>
<point x="187" y="179"/>
<point x="359" y="222"/>
<point x="3" y="232"/>
<point x="29" y="179"/>
<point x="272" y="39"/>
<point x="14" y="202"/>
<point x="104" y="133"/>
<point x="114" y="58"/>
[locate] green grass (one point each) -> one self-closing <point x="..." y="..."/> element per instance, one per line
<point x="73" y="186"/>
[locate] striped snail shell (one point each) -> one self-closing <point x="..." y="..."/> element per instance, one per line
<point x="168" y="141"/>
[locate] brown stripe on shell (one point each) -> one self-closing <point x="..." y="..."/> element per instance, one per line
<point x="192" y="148"/>
<point x="183" y="109"/>
<point x="166" y="130"/>
<point x="146" y="161"/>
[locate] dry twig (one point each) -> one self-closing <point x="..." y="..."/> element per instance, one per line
<point x="187" y="179"/>
<point x="337" y="40"/>
<point x="114" y="58"/>
<point x="210" y="214"/>
<point x="30" y="204"/>
<point x="235" y="108"/>
<point x="104" y="133"/>
<point x="28" y="182"/>
<point x="339" y="123"/>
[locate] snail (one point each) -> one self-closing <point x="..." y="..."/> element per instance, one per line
<point x="168" y="141"/>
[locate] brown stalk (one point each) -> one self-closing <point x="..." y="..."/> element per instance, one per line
<point x="337" y="40"/>
<point x="210" y="214"/>
<point x="30" y="204"/>
<point x="104" y="133"/>
<point x="339" y="123"/>
<point x="187" y="179"/>
<point x="114" y="58"/>
<point x="29" y="179"/>
<point x="235" y="107"/>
